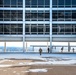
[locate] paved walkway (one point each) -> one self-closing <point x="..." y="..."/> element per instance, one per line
<point x="34" y="55"/>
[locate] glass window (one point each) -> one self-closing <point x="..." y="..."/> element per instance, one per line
<point x="47" y="16"/>
<point x="1" y="28"/>
<point x="34" y="15"/>
<point x="34" y="3"/>
<point x="7" y="29"/>
<point x="68" y="3"/>
<point x="34" y="29"/>
<point x="27" y="15"/>
<point x="40" y="29"/>
<point x="1" y="3"/>
<point x="13" y="3"/>
<point x="14" y="15"/>
<point x="68" y="15"/>
<point x="6" y="15"/>
<point x="20" y="2"/>
<point x="40" y="15"/>
<point x="55" y="29"/>
<point x="1" y="15"/>
<point x="74" y="15"/>
<point x="27" y="28"/>
<point x="40" y="3"/>
<point x="20" y="15"/>
<point x="60" y="15"/>
<point x="68" y="28"/>
<point x="60" y="28"/>
<point x="60" y="3"/>
<point x="47" y="3"/>
<point x="47" y="28"/>
<point x="73" y="3"/>
<point x="54" y="2"/>
<point x="6" y="3"/>
<point x="28" y="3"/>
<point x="54" y="16"/>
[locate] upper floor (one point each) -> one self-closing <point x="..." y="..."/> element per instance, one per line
<point x="38" y="3"/>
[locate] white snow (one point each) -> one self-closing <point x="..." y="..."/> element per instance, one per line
<point x="37" y="70"/>
<point x="5" y="65"/>
<point x="1" y="61"/>
<point x="70" y="62"/>
<point x="48" y="59"/>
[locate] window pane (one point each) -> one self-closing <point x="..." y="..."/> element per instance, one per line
<point x="7" y="3"/>
<point x="67" y="2"/>
<point x="74" y="2"/>
<point x="40" y="3"/>
<point x="13" y="2"/>
<point x="54" y="2"/>
<point x="1" y="3"/>
<point x="34" y="2"/>
<point x="60" y="2"/>
<point x="20" y="3"/>
<point x="47" y="3"/>
<point x="27" y="2"/>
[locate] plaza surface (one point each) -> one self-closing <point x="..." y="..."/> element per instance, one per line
<point x="34" y="64"/>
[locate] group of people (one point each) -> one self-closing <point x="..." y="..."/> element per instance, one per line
<point x="68" y="51"/>
<point x="40" y="51"/>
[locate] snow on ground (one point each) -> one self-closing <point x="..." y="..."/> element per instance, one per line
<point x="5" y="65"/>
<point x="62" y="62"/>
<point x="1" y="61"/>
<point x="37" y="70"/>
<point x="47" y="59"/>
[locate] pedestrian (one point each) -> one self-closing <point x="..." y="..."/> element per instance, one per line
<point x="73" y="50"/>
<point x="40" y="51"/>
<point x="62" y="49"/>
<point x="48" y="49"/>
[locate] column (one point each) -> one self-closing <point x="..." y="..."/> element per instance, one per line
<point x="4" y="46"/>
<point x="26" y="46"/>
<point x="50" y="26"/>
<point x="68" y="46"/>
<point x="23" y="25"/>
<point x="47" y="46"/>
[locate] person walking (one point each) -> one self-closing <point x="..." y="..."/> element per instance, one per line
<point x="73" y="50"/>
<point x="48" y="49"/>
<point x="40" y="51"/>
<point x="62" y="49"/>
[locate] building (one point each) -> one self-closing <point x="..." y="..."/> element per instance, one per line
<point x="38" y="20"/>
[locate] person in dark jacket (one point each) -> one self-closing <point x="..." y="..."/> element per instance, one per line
<point x="73" y="50"/>
<point x="62" y="49"/>
<point x="48" y="49"/>
<point x="40" y="51"/>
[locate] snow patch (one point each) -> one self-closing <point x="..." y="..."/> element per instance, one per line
<point x="1" y="61"/>
<point x="5" y="65"/>
<point x="21" y="63"/>
<point x="37" y="70"/>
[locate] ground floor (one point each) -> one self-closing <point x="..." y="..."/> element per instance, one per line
<point x="57" y="47"/>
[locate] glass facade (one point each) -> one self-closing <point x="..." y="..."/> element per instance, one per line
<point x="11" y="3"/>
<point x="64" y="29"/>
<point x="64" y="3"/>
<point x="40" y="15"/>
<point x="37" y="12"/>
<point x="11" y="15"/>
<point x="37" y="3"/>
<point x="64" y="15"/>
<point x="11" y="29"/>
<point x="37" y="29"/>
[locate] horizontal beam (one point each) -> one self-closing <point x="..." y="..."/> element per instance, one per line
<point x="39" y="38"/>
